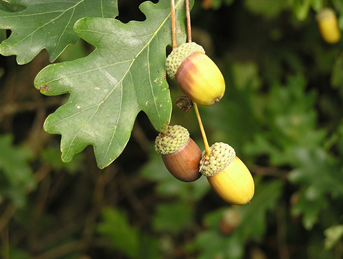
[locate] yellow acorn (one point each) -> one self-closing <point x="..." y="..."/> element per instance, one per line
<point x="227" y="174"/>
<point x="196" y="74"/>
<point x="328" y="25"/>
<point x="180" y="154"/>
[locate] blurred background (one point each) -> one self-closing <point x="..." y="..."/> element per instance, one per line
<point x="282" y="112"/>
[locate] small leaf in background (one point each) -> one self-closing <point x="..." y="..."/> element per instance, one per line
<point x="173" y="217"/>
<point x="337" y="75"/>
<point x="13" y="253"/>
<point x="309" y="208"/>
<point x="321" y="177"/>
<point x="315" y="168"/>
<point x="53" y="20"/>
<point x="15" y="172"/>
<point x="317" y="5"/>
<point x="332" y="235"/>
<point x="289" y="125"/>
<point x="253" y="224"/>
<point x="124" y="237"/>
<point x="267" y="8"/>
<point x="148" y="247"/>
<point x="124" y="75"/>
<point x="301" y="9"/>
<point x="246" y="75"/>
<point x="52" y="156"/>
<point x="211" y="244"/>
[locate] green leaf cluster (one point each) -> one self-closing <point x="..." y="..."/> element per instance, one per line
<point x="16" y="174"/>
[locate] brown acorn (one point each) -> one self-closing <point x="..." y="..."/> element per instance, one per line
<point x="196" y="74"/>
<point x="180" y="154"/>
<point x="230" y="220"/>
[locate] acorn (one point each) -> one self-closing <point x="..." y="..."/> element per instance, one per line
<point x="230" y="220"/>
<point x="196" y="74"/>
<point x="180" y="154"/>
<point x="328" y="25"/>
<point x="227" y="174"/>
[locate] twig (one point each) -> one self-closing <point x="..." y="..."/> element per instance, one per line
<point x="6" y="216"/>
<point x="281" y="232"/>
<point x="70" y="247"/>
<point x="189" y="37"/>
<point x="270" y="171"/>
<point x="5" y="244"/>
<point x="189" y="29"/>
<point x="173" y="23"/>
<point x="204" y="138"/>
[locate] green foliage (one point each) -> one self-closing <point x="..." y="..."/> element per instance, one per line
<point x="333" y="234"/>
<point x="123" y="236"/>
<point x="253" y="223"/>
<point x="15" y="253"/>
<point x="16" y="174"/>
<point x="173" y="218"/>
<point x="52" y="156"/>
<point x="268" y="8"/>
<point x="289" y="126"/>
<point x="43" y="26"/>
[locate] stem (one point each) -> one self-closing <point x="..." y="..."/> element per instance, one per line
<point x="173" y="23"/>
<point x="207" y="147"/>
<point x="189" y="39"/>
<point x="189" y="29"/>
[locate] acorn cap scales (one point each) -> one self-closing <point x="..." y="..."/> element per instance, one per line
<point x="220" y="157"/>
<point x="179" y="54"/>
<point x="174" y="138"/>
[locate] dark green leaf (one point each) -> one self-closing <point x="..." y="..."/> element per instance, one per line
<point x="52" y="156"/>
<point x="13" y="253"/>
<point x="268" y="8"/>
<point x="124" y="237"/>
<point x="15" y="172"/>
<point x="173" y="217"/>
<point x="211" y="243"/>
<point x="301" y="9"/>
<point x="254" y="222"/>
<point x="337" y="74"/>
<point x="315" y="168"/>
<point x="48" y="24"/>
<point x="287" y="125"/>
<point x="333" y="234"/>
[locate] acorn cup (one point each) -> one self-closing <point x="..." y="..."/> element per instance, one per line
<point x="196" y="74"/>
<point x="328" y="26"/>
<point x="180" y="154"/>
<point x="227" y="174"/>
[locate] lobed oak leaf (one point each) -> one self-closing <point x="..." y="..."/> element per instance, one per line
<point x="124" y="75"/>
